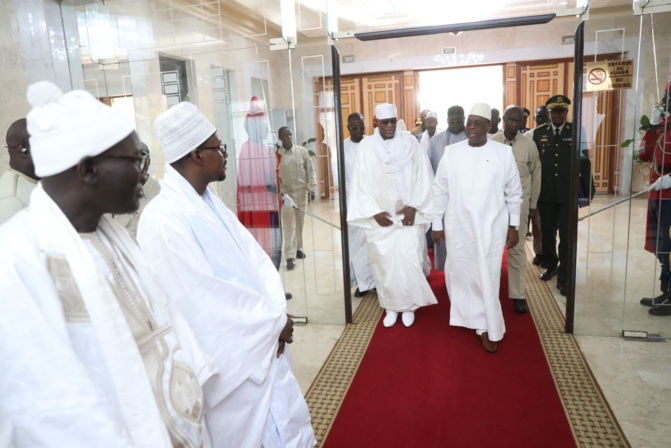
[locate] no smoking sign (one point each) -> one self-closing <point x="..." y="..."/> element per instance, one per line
<point x="609" y="75"/>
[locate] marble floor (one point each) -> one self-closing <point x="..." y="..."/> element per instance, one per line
<point x="613" y="273"/>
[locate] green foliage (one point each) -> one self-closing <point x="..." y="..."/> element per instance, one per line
<point x="645" y="124"/>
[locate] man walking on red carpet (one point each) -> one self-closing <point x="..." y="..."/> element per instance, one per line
<point x="477" y="198"/>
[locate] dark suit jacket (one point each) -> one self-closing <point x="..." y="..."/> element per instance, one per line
<point x="555" y="155"/>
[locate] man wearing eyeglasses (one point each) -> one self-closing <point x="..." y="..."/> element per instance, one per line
<point x="150" y="188"/>
<point x="18" y="182"/>
<point x="361" y="273"/>
<point x="91" y="353"/>
<point x="227" y="287"/>
<point x="390" y="198"/>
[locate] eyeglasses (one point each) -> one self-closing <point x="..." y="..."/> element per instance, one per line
<point x="221" y="148"/>
<point x="386" y="121"/>
<point x="141" y="162"/>
<point x="356" y="128"/>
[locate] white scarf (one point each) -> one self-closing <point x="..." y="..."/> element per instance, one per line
<point x="397" y="159"/>
<point x="137" y="403"/>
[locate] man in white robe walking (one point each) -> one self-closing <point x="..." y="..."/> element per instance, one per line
<point x="91" y="352"/>
<point x="391" y="199"/>
<point x="477" y="199"/>
<point x="227" y="287"/>
<point x="361" y="272"/>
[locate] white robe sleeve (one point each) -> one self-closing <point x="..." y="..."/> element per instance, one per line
<point x="234" y="324"/>
<point x="513" y="189"/>
<point x="362" y="205"/>
<point x="422" y="196"/>
<point x="440" y="194"/>
<point x="49" y="396"/>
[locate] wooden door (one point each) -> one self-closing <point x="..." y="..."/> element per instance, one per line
<point x="539" y="82"/>
<point x="377" y="89"/>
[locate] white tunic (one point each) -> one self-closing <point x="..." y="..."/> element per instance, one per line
<point x="74" y="372"/>
<point x="477" y="195"/>
<point x="361" y="272"/>
<point x="397" y="251"/>
<point x="230" y="292"/>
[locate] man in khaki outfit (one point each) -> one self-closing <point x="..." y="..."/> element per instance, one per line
<point x="297" y="178"/>
<point x="529" y="166"/>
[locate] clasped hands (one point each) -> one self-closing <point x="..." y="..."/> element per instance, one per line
<point x="287" y="335"/>
<point x="384" y="218"/>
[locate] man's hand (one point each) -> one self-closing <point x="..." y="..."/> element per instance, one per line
<point x="437" y="236"/>
<point x="280" y="348"/>
<point x="287" y="334"/>
<point x="408" y="215"/>
<point x="533" y="213"/>
<point x="287" y="201"/>
<point x="312" y="195"/>
<point x="662" y="183"/>
<point x="383" y="219"/>
<point x="513" y="237"/>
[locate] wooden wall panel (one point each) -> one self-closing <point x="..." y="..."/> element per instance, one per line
<point x="410" y="103"/>
<point x="539" y="82"/>
<point x="381" y="88"/>
<point x="510" y="93"/>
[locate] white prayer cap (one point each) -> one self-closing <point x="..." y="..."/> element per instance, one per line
<point x="481" y="110"/>
<point x="432" y="114"/>
<point x="181" y="129"/>
<point x="385" y="110"/>
<point x="65" y="128"/>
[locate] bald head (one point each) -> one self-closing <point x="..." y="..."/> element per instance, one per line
<point x="513" y="121"/>
<point x="18" y="146"/>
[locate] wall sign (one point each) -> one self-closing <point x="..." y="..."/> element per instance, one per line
<point x="609" y="75"/>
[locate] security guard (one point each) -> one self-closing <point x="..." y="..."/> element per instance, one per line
<point x="555" y="142"/>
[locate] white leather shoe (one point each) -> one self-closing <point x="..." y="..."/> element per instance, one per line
<point x="390" y="318"/>
<point x="408" y="318"/>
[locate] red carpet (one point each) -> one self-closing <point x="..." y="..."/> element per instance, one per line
<point x="432" y="385"/>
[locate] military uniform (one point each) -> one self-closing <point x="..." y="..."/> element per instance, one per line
<point x="553" y="203"/>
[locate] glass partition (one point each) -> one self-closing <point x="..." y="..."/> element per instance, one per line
<point x="619" y="258"/>
<point x="161" y="53"/>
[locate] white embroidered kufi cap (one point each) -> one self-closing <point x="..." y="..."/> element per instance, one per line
<point x="385" y="110"/>
<point x="432" y="114"/>
<point x="65" y="128"/>
<point x="181" y="129"/>
<point x="481" y="110"/>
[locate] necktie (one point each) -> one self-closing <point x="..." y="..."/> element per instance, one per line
<point x="556" y="133"/>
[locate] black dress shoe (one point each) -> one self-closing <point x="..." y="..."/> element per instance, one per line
<point x="548" y="274"/>
<point x="290" y="264"/>
<point x="358" y="293"/>
<point x="520" y="306"/>
<point x="288" y="295"/>
<point x="563" y="289"/>
<point x="300" y="254"/>
<point x="538" y="259"/>
<point x="663" y="309"/>
<point x="653" y="301"/>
